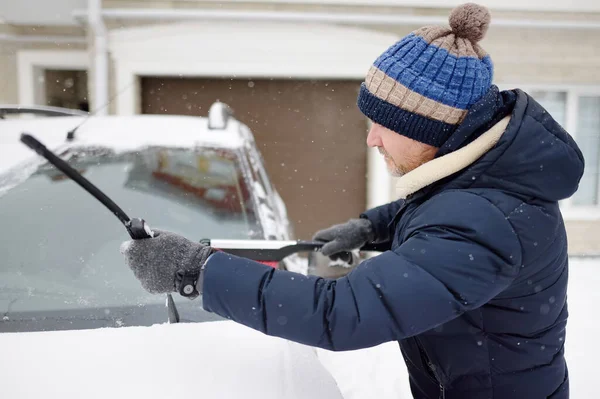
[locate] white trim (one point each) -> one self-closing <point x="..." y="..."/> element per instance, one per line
<point x="492" y="4"/>
<point x="251" y="244"/>
<point x="4" y="37"/>
<point x="167" y="14"/>
<point x="379" y="181"/>
<point x="572" y="105"/>
<point x="30" y="62"/>
<point x="579" y="88"/>
<point x="240" y="50"/>
<point x="128" y="101"/>
<point x="581" y="213"/>
<point x="101" y="80"/>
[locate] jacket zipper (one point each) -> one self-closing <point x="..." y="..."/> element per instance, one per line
<point x="442" y="390"/>
<point x="431" y="367"/>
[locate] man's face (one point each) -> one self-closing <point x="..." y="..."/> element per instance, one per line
<point x="401" y="153"/>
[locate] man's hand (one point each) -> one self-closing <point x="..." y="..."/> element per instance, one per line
<point x="343" y="238"/>
<point x="157" y="262"/>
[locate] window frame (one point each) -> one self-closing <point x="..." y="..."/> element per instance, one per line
<point x="573" y="93"/>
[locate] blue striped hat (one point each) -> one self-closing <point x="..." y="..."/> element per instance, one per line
<point x="423" y="85"/>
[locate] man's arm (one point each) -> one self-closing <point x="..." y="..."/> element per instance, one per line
<point x="455" y="260"/>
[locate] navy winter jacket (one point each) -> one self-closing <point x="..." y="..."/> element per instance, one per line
<point x="473" y="285"/>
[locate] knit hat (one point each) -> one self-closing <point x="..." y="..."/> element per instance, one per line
<point x="423" y="85"/>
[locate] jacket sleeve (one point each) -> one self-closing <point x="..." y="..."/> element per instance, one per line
<point x="381" y="217"/>
<point x="452" y="262"/>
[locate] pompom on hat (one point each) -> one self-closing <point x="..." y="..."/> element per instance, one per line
<point x="423" y="85"/>
<point x="470" y="21"/>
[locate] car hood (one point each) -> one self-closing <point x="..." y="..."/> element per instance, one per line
<point x="211" y="360"/>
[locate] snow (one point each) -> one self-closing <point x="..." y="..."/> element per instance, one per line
<point x="271" y="226"/>
<point x="380" y="372"/>
<point x="218" y="115"/>
<point x="297" y="264"/>
<point x="377" y="372"/>
<point x="224" y="359"/>
<point x="267" y="220"/>
<point x="341" y="263"/>
<point x="582" y="348"/>
<point x="208" y="360"/>
<point x="121" y="133"/>
<point x="17" y="175"/>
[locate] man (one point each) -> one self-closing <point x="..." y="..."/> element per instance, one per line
<point x="474" y="283"/>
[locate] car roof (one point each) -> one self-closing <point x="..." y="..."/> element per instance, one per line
<point x="120" y="133"/>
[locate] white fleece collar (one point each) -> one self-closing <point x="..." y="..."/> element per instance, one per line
<point x="448" y="164"/>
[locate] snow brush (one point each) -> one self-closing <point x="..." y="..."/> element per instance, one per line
<point x="269" y="252"/>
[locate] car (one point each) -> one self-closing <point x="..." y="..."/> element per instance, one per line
<point x="74" y="320"/>
<point x="200" y="177"/>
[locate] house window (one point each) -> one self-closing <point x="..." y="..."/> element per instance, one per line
<point x="588" y="138"/>
<point x="578" y="111"/>
<point x="555" y="103"/>
<point x="66" y="88"/>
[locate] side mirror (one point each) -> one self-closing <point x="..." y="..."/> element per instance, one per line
<point x="218" y="115"/>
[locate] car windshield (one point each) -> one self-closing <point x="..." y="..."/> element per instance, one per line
<point x="61" y="267"/>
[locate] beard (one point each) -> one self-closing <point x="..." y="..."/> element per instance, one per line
<point x="394" y="169"/>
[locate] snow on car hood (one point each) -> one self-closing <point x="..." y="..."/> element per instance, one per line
<point x="208" y="360"/>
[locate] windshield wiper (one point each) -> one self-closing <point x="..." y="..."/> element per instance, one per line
<point x="132" y="225"/>
<point x="137" y="228"/>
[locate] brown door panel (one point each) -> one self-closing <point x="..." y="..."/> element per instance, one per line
<point x="310" y="133"/>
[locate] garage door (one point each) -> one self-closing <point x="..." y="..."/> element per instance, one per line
<point x="310" y="133"/>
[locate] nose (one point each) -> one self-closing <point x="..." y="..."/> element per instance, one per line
<point x="373" y="139"/>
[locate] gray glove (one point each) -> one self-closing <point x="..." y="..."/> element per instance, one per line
<point x="160" y="263"/>
<point x="343" y="238"/>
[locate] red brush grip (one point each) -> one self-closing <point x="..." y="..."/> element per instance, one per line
<point x="274" y="265"/>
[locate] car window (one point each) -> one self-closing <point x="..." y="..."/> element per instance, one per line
<point x="61" y="266"/>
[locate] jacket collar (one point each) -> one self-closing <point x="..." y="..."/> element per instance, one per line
<point x="482" y="116"/>
<point x="449" y="164"/>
